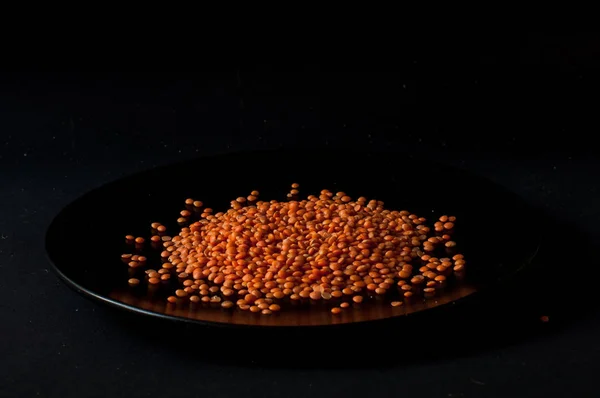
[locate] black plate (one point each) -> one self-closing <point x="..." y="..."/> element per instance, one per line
<point x="498" y="233"/>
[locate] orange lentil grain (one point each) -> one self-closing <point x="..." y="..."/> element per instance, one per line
<point x="324" y="247"/>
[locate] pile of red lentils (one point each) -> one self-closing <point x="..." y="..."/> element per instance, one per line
<point x="259" y="256"/>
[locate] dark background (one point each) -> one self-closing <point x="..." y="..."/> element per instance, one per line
<point x="520" y="109"/>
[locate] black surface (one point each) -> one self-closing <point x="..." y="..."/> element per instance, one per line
<point x="525" y="118"/>
<point x="128" y="206"/>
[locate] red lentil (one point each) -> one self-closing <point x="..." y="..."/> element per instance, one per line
<point x="321" y="248"/>
<point x="226" y="304"/>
